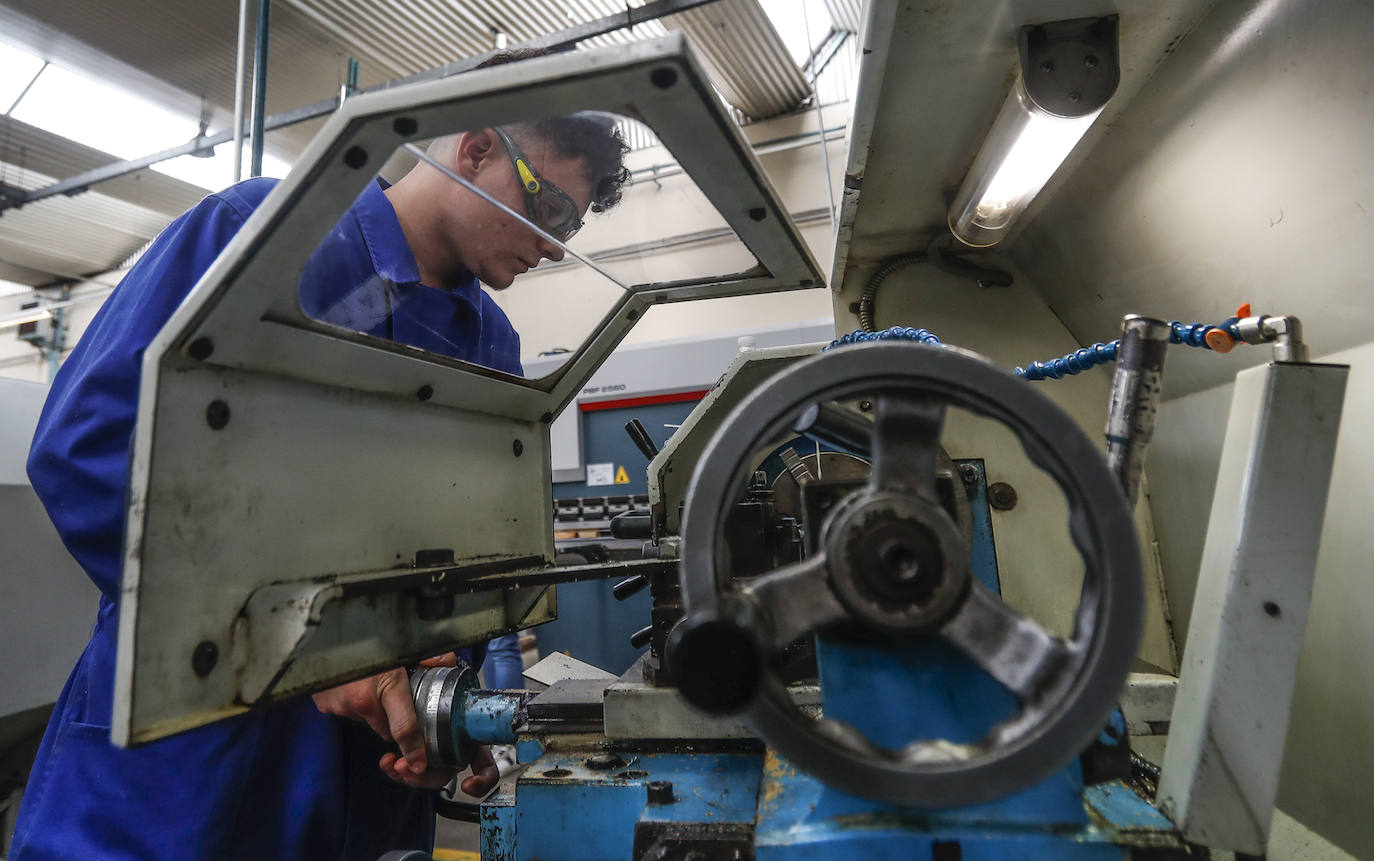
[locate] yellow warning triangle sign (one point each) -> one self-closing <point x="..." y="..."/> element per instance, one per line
<point x="621" y="476"/>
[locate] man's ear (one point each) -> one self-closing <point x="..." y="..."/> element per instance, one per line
<point x="473" y="151"/>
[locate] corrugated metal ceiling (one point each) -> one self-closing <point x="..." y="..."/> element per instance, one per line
<point x="747" y="60"/>
<point x="408" y="36"/>
<point x="71" y="236"/>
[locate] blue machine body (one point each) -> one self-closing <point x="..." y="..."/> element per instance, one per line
<point x="563" y="809"/>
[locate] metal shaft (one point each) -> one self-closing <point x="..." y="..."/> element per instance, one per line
<point x="260" y="84"/>
<point x="1135" y="398"/>
<point x="835" y="426"/>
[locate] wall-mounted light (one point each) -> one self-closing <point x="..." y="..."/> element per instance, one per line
<point x="1069" y="70"/>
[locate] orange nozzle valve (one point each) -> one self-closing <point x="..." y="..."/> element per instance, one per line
<point x="1219" y="340"/>
<point x="1244" y="311"/>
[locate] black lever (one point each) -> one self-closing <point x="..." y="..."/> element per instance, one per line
<point x="641" y="438"/>
<point x="629" y="586"/>
<point x="635" y="523"/>
<point x="639" y="639"/>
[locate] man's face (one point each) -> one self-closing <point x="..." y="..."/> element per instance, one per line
<point x="495" y="246"/>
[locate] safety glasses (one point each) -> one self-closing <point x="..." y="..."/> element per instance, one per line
<point x="546" y="204"/>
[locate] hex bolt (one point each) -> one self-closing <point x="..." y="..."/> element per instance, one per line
<point x="1002" y="496"/>
<point x="968" y="473"/>
<point x="660" y="791"/>
<point x="204" y="658"/>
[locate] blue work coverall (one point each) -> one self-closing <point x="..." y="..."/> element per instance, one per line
<point x="285" y="782"/>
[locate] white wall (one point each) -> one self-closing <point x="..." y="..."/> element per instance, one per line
<point x="31" y="365"/>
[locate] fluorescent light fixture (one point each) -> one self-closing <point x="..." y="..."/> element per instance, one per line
<point x="1022" y="151"/>
<point x="101" y="116"/>
<point x="122" y="124"/>
<point x="17" y="69"/>
<point x="33" y="316"/>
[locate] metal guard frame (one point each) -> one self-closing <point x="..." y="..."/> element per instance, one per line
<point x="270" y="541"/>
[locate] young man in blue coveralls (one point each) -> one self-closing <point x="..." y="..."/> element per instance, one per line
<point x="342" y="774"/>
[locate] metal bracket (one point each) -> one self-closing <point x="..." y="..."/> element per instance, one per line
<point x="1070" y="68"/>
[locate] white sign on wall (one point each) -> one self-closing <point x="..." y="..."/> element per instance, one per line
<point x="599" y="474"/>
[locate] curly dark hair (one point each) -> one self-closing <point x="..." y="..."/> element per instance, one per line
<point x="591" y="136"/>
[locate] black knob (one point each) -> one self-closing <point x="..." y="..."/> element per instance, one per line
<point x="639" y="639"/>
<point x="629" y="586"/>
<point x="717" y="661"/>
<point x="636" y="523"/>
<point x="641" y="438"/>
<point x="659" y="791"/>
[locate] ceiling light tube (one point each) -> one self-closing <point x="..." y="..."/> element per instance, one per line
<point x="21" y="319"/>
<point x="1072" y="72"/>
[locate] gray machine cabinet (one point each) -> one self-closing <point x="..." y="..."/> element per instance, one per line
<point x="272" y="556"/>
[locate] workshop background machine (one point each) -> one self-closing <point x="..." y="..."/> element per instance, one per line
<point x="849" y="653"/>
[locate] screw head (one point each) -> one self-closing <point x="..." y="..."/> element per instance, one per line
<point x="1075" y="96"/>
<point x="1046" y="66"/>
<point x="204" y="658"/>
<point x="865" y="406"/>
<point x="201" y="348"/>
<point x="1002" y="496"/>
<point x="1090" y="62"/>
<point x="968" y="473"/>
<point x="425" y="392"/>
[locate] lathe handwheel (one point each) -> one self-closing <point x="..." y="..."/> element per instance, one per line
<point x="892" y="561"/>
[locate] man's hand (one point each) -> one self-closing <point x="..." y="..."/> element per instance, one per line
<point x="383" y="702"/>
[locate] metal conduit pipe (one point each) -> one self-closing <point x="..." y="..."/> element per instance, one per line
<point x="240" y="72"/>
<point x="663" y="170"/>
<point x="886" y="268"/>
<point x="260" y="84"/>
